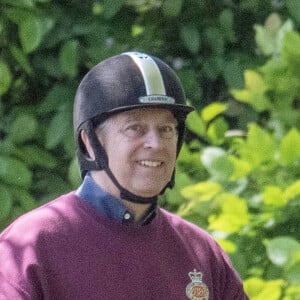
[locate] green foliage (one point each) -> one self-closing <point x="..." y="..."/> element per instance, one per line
<point x="251" y="200"/>
<point x="237" y="175"/>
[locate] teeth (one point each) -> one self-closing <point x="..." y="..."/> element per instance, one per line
<point x="150" y="163"/>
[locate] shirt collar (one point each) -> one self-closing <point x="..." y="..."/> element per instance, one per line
<point x="105" y="204"/>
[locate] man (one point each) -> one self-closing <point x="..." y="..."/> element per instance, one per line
<point x="109" y="240"/>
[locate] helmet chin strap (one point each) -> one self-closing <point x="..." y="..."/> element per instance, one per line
<point x="101" y="161"/>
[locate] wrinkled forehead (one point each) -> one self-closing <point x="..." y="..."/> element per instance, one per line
<point x="153" y="115"/>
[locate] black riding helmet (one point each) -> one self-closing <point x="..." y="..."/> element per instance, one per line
<point x="124" y="82"/>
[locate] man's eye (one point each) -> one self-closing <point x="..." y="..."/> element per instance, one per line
<point x="167" y="131"/>
<point x="134" y="130"/>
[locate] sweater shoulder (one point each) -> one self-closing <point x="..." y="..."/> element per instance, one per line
<point x="45" y="218"/>
<point x="192" y="235"/>
<point x="182" y="225"/>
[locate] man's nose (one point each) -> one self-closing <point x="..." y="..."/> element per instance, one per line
<point x="152" y="139"/>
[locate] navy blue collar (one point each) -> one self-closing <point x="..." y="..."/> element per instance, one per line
<point x="107" y="205"/>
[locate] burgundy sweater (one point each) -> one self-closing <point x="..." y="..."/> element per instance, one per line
<point x="66" y="250"/>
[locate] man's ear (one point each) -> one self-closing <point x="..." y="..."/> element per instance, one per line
<point x="86" y="142"/>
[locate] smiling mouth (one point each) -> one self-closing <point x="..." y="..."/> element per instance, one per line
<point x="150" y="163"/>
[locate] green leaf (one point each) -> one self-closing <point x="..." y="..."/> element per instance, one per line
<point x="216" y="131"/>
<point x="234" y="214"/>
<point x="202" y="191"/>
<point x="259" y="289"/>
<point x="54" y="98"/>
<point x="195" y="123"/>
<point x="233" y="74"/>
<point x="36" y="156"/>
<point x="254" y="91"/>
<point x="289" y="150"/>
<point x="24" y="198"/>
<point x="209" y="154"/>
<point x="14" y="172"/>
<point x="213" y="66"/>
<point x="259" y="148"/>
<point x="291" y="51"/>
<point x="18" y="15"/>
<point x="226" y="20"/>
<point x="74" y="173"/>
<point x="293" y="274"/>
<point x="190" y="36"/>
<point x="173" y="195"/>
<point x="69" y="58"/>
<point x="217" y="163"/>
<point x="21" y="58"/>
<point x="5" y="78"/>
<point x="274" y="196"/>
<point x="112" y="7"/>
<point x="215" y="41"/>
<point x="20" y="3"/>
<point x="281" y="250"/>
<point x="292" y="191"/>
<point x="293" y="7"/>
<point x="172" y="8"/>
<point x="23" y="128"/>
<point x="30" y="33"/>
<point x="6" y="202"/>
<point x="212" y="110"/>
<point x="57" y="130"/>
<point x="241" y="168"/>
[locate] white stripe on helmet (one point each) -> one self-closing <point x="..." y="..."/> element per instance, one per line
<point x="153" y="80"/>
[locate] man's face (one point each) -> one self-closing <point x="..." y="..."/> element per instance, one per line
<point x="141" y="148"/>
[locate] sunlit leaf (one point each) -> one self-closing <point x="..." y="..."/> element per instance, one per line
<point x="292" y="190"/>
<point x="211" y="111"/>
<point x="274" y="196"/>
<point x="202" y="191"/>
<point x="289" y="149"/>
<point x="241" y="168"/>
<point x="259" y="289"/>
<point x="233" y="216"/>
<point x="254" y="92"/>
<point x="227" y="245"/>
<point x="291" y="51"/>
<point x="195" y="123"/>
<point x="259" y="147"/>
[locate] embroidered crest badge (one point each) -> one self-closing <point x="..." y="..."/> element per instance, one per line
<point x="197" y="290"/>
